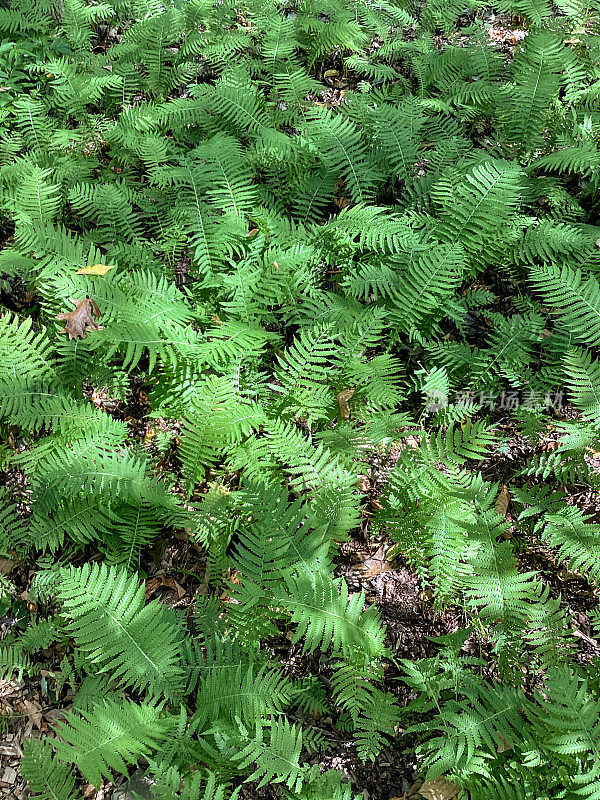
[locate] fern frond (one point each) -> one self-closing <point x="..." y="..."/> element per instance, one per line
<point x="475" y="211"/>
<point x="275" y="749"/>
<point x="536" y="72"/>
<point x="584" y="382"/>
<point x="339" y="145"/>
<point x="574" y="297"/>
<point x="239" y="692"/>
<point x="218" y="417"/>
<point x="110" y="736"/>
<point x="326" y="617"/>
<point x="577" y="540"/>
<point x="138" y="645"/>
<point x="566" y="719"/>
<point x="48" y="777"/>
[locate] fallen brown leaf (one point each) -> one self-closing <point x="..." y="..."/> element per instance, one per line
<point x="80" y="320"/>
<point x="34" y="712"/>
<point x="6" y="564"/>
<point x="502" y="501"/>
<point x="171" y="583"/>
<point x="439" y="789"/>
<point x="152" y="584"/>
<point x="343" y="397"/>
<point x="374" y="567"/>
<point x="364" y="483"/>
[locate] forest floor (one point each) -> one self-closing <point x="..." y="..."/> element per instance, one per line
<point x="176" y="571"/>
<point x="406" y="610"/>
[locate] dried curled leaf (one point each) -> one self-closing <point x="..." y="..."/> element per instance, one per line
<point x="95" y="269"/>
<point x="502" y="501"/>
<point x="342" y="399"/>
<point x="79" y="321"/>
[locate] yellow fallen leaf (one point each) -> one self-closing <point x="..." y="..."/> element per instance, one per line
<point x="95" y="269"/>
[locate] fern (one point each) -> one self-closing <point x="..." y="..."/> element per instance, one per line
<point x="571" y="717"/>
<point x="325" y="616"/>
<point x="577" y="297"/>
<point x="218" y="418"/>
<point x="473" y="728"/>
<point x="475" y="210"/>
<point x="197" y="787"/>
<point x="110" y="736"/>
<point x="13" y="661"/>
<point x="339" y="146"/>
<point x="583" y="375"/>
<point x="343" y="261"/>
<point x="45" y="774"/>
<point x="536" y="72"/>
<point x="576" y="540"/>
<point x="138" y="645"/>
<point x="495" y="584"/>
<point x="275" y="749"/>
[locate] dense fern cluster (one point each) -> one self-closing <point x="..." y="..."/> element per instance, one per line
<point x="310" y="217"/>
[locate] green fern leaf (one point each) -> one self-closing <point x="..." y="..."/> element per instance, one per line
<point x="574" y="297"/>
<point x="137" y="645"/>
<point x="110" y="736"/>
<point x="48" y="777"/>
